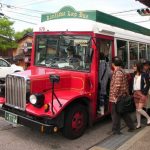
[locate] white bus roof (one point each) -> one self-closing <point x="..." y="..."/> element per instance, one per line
<point x="67" y="19"/>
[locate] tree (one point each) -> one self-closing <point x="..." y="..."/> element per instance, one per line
<point x="19" y="35"/>
<point x="6" y="34"/>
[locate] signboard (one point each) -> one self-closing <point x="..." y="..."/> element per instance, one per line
<point x="81" y="42"/>
<point x="69" y="12"/>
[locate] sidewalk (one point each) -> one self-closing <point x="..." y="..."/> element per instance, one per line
<point x="139" y="141"/>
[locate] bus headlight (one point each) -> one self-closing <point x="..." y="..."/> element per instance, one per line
<point x="37" y="100"/>
<point x="33" y="99"/>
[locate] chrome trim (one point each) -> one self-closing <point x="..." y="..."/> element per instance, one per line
<point x="15" y="91"/>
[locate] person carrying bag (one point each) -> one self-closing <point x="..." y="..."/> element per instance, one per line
<point x="118" y="87"/>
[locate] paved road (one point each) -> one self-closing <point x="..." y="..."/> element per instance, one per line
<point x="21" y="137"/>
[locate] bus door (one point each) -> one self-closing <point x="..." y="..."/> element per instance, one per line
<point x="105" y="49"/>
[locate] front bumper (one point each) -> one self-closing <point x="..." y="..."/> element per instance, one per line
<point x="30" y="122"/>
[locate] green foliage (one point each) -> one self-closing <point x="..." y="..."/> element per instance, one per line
<point x="6" y="34"/>
<point x="19" y="35"/>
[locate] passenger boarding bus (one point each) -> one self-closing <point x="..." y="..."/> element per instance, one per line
<point x="58" y="93"/>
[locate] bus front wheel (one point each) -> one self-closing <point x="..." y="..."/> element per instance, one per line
<point x="75" y="121"/>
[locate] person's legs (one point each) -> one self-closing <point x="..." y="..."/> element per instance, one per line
<point x="138" y="118"/>
<point x="142" y="112"/>
<point x="128" y="120"/>
<point x="115" y="120"/>
<point x="101" y="104"/>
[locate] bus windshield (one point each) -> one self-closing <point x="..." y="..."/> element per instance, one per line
<point x="63" y="52"/>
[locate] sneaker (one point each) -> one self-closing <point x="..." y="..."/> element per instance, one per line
<point x="117" y="132"/>
<point x="100" y="112"/>
<point x="131" y="129"/>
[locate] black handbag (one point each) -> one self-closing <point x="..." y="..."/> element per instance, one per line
<point x="125" y="104"/>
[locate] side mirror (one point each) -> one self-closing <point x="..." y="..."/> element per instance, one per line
<point x="54" y="79"/>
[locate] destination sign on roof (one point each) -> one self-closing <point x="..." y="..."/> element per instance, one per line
<point x="67" y="12"/>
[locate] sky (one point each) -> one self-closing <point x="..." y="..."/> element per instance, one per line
<point x="27" y="13"/>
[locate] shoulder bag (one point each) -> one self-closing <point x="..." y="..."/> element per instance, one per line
<point x="125" y="104"/>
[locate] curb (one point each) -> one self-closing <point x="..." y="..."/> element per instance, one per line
<point x="134" y="139"/>
<point x="97" y="148"/>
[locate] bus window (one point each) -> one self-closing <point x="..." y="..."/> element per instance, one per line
<point x="52" y="51"/>
<point x="41" y="48"/>
<point x="122" y="52"/>
<point x="133" y="50"/>
<point x="46" y="49"/>
<point x="105" y="47"/>
<point x="142" y="52"/>
<point x="82" y="50"/>
<point x="148" y="52"/>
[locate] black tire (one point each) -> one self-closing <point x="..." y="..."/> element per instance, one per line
<point x="75" y="121"/>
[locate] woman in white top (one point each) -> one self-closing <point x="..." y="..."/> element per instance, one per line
<point x="140" y="89"/>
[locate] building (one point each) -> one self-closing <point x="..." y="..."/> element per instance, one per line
<point x="22" y="54"/>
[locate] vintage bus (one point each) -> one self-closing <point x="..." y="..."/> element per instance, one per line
<point x="56" y="95"/>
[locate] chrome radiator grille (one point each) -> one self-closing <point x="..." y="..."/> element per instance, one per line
<point x="16" y="92"/>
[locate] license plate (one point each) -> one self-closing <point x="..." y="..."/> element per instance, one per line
<point x="11" y="117"/>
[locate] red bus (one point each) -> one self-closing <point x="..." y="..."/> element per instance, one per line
<point x="56" y="95"/>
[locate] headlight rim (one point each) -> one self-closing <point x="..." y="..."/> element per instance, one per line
<point x="39" y="100"/>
